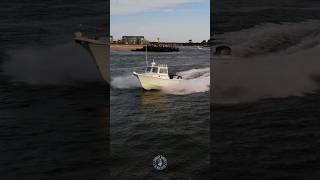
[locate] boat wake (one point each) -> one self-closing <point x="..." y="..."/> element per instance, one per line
<point x="272" y="61"/>
<point x="63" y="64"/>
<point x="196" y="81"/>
<point x="125" y="82"/>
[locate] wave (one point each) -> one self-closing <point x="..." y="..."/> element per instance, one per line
<point x="196" y="81"/>
<point x="272" y="61"/>
<point x="125" y="82"/>
<point x="270" y="37"/>
<point x="66" y="63"/>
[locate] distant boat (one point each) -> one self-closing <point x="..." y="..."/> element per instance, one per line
<point x="223" y="50"/>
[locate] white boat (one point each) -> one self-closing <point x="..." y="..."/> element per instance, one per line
<point x="156" y="77"/>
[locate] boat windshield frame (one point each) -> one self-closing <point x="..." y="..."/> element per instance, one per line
<point x="152" y="69"/>
<point x="164" y="70"/>
<point x="157" y="69"/>
<point x="148" y="69"/>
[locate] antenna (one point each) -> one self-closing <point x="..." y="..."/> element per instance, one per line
<point x="147" y="54"/>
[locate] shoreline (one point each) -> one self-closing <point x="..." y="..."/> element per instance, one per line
<point x="130" y="47"/>
<point x="124" y="47"/>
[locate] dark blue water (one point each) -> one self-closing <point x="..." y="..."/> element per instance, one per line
<point x="172" y="122"/>
<point x="265" y="104"/>
<point x="53" y="125"/>
<point x="53" y="106"/>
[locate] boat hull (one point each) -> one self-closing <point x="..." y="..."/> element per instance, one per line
<point x="99" y="51"/>
<point x="155" y="83"/>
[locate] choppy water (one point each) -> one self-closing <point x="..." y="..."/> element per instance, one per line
<point x="52" y="102"/>
<point x="173" y="122"/>
<point x="264" y="122"/>
<point x="266" y="96"/>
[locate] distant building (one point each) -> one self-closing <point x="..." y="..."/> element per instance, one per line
<point x="111" y="39"/>
<point x="133" y="40"/>
<point x="190" y="40"/>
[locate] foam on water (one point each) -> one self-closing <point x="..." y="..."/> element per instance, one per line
<point x="195" y="81"/>
<point x="125" y="82"/>
<point x="273" y="60"/>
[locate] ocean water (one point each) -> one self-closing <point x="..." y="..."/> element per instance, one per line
<point x="264" y="116"/>
<point x="173" y="122"/>
<point x="265" y="110"/>
<point x="53" y="104"/>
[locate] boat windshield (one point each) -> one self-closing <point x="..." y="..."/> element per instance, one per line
<point x="163" y="70"/>
<point x="152" y="69"/>
<point x="148" y="69"/>
<point x="155" y="70"/>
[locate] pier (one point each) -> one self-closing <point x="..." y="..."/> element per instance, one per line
<point x="158" y="48"/>
<point x="179" y="44"/>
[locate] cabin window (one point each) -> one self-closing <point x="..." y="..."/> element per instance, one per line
<point x="164" y="70"/>
<point x="148" y="69"/>
<point x="155" y="70"/>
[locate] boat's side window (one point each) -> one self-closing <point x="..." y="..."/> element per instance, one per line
<point x="163" y="70"/>
<point x="155" y="70"/>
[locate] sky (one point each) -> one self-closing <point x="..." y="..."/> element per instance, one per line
<point x="170" y="20"/>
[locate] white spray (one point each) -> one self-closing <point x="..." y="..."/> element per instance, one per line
<point x="274" y="60"/>
<point x="196" y="81"/>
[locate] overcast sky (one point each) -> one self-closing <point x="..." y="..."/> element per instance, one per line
<point x="170" y="20"/>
